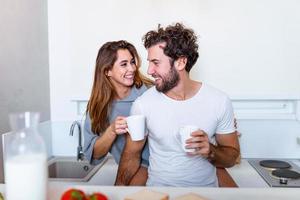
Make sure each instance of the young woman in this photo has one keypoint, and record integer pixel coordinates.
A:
(117, 83)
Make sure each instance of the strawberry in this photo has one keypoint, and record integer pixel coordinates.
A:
(73, 194)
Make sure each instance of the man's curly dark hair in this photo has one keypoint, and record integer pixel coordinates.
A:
(180, 42)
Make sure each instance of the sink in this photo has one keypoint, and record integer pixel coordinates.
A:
(69, 169)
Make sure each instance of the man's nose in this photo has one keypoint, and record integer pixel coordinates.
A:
(150, 70)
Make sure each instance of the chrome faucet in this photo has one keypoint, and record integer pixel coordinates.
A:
(79, 148)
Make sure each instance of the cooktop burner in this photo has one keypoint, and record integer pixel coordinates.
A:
(277, 164)
(285, 173)
(277, 173)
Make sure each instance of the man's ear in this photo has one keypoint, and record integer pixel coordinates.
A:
(180, 63)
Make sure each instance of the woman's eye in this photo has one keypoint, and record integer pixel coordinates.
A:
(132, 62)
(123, 64)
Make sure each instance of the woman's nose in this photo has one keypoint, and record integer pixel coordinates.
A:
(132, 67)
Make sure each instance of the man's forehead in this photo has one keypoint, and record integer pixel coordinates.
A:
(154, 54)
(156, 48)
(162, 45)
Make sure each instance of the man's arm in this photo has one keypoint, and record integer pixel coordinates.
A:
(227, 150)
(229, 145)
(224, 154)
(224, 178)
(130, 161)
(140, 177)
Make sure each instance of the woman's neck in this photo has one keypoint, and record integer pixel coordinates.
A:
(123, 92)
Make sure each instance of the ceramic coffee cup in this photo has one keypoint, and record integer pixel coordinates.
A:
(136, 127)
(184, 134)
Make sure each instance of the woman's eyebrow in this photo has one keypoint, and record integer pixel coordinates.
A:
(123, 61)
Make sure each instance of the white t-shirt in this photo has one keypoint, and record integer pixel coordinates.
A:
(209, 109)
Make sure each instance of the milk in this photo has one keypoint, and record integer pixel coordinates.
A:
(26, 177)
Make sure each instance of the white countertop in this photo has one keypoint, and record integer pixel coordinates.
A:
(55, 191)
(251, 186)
(245, 176)
(118, 193)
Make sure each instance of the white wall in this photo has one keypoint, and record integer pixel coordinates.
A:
(24, 69)
(248, 47)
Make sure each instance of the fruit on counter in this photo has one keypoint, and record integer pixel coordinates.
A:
(147, 195)
(73, 194)
(97, 196)
(76, 194)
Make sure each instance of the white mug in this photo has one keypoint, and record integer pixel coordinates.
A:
(184, 134)
(136, 127)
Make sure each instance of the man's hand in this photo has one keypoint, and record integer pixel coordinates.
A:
(200, 142)
(224, 154)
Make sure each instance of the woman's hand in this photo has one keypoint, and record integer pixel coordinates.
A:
(119, 126)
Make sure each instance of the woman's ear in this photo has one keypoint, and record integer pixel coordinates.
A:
(108, 73)
(180, 63)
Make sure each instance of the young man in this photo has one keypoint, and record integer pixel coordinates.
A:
(175, 101)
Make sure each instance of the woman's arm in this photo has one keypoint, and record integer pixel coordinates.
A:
(104, 143)
(95, 146)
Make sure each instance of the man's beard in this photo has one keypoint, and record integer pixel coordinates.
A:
(169, 81)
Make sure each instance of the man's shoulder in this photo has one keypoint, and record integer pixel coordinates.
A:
(215, 94)
(148, 95)
(211, 90)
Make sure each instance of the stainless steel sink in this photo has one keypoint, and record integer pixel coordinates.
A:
(69, 169)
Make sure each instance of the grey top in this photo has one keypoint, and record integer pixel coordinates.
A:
(119, 107)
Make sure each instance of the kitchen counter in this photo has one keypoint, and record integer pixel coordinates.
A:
(245, 176)
(118, 193)
(251, 186)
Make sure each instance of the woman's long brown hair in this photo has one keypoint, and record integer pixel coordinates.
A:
(103, 91)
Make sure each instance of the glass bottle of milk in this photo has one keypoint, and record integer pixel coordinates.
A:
(25, 159)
